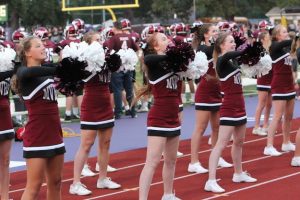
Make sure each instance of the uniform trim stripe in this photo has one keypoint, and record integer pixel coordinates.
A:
(233, 118)
(7, 131)
(161, 78)
(283, 95)
(209, 61)
(208, 104)
(264, 86)
(43, 147)
(43, 84)
(281, 57)
(97, 123)
(90, 77)
(163, 129)
(229, 75)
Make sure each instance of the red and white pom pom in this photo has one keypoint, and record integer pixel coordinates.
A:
(95, 56)
(7, 55)
(198, 67)
(129, 59)
(262, 68)
(75, 50)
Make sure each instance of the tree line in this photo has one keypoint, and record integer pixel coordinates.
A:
(36, 12)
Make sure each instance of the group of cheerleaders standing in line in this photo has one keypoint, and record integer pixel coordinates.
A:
(164, 62)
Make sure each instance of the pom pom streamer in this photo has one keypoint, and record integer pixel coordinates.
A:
(70, 74)
(75, 50)
(179, 56)
(113, 62)
(263, 67)
(7, 55)
(129, 59)
(198, 67)
(95, 57)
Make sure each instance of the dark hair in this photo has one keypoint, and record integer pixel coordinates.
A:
(25, 46)
(199, 35)
(217, 47)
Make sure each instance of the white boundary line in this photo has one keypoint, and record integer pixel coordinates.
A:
(253, 186)
(176, 178)
(141, 164)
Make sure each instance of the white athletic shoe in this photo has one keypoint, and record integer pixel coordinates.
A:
(213, 186)
(222, 163)
(109, 168)
(143, 109)
(197, 168)
(255, 131)
(169, 197)
(179, 154)
(295, 162)
(79, 189)
(86, 171)
(271, 151)
(243, 177)
(288, 147)
(263, 132)
(107, 183)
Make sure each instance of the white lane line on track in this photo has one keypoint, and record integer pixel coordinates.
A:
(141, 164)
(177, 178)
(253, 186)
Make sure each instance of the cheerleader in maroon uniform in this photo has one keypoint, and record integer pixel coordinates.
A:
(233, 117)
(282, 89)
(296, 159)
(6, 133)
(264, 93)
(43, 145)
(207, 100)
(96, 118)
(163, 122)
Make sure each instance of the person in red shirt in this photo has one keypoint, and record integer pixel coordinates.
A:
(122, 79)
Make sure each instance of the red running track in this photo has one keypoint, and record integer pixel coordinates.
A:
(277, 180)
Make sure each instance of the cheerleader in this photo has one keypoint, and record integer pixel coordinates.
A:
(208, 99)
(43, 145)
(163, 122)
(296, 159)
(6, 132)
(264, 93)
(96, 118)
(282, 89)
(233, 117)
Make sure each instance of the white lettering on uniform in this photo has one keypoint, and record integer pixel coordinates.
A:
(50, 93)
(237, 79)
(172, 82)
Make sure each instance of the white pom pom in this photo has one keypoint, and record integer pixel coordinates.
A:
(7, 55)
(265, 65)
(95, 56)
(198, 67)
(249, 71)
(75, 50)
(129, 59)
(262, 68)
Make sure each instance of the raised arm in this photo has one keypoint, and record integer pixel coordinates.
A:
(153, 60)
(277, 46)
(5, 75)
(30, 72)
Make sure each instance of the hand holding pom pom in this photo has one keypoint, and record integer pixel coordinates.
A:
(179, 56)
(71, 72)
(113, 61)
